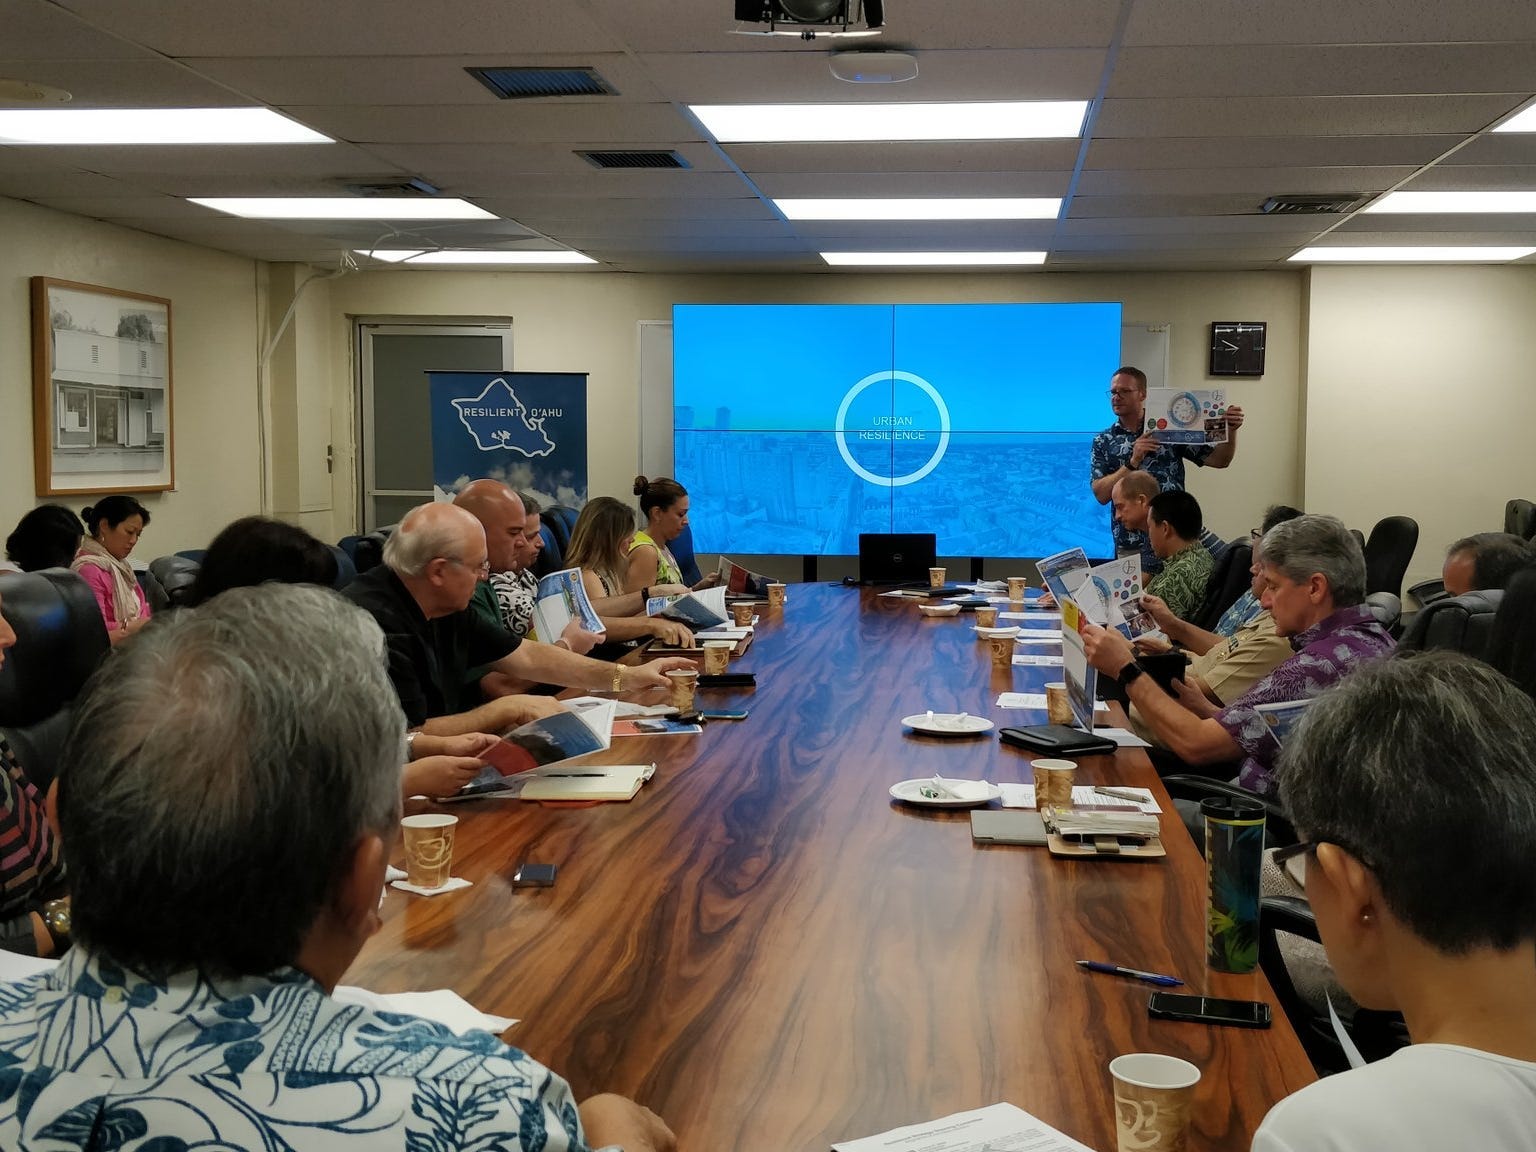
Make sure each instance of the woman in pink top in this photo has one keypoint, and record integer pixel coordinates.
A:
(114, 524)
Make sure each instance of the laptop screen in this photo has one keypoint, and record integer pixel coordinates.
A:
(895, 557)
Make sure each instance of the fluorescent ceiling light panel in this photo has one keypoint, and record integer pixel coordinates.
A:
(153, 126)
(1428, 203)
(991, 120)
(469, 256)
(344, 207)
(1411, 254)
(1523, 121)
(930, 259)
(954, 208)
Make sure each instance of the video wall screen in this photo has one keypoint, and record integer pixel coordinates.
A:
(797, 427)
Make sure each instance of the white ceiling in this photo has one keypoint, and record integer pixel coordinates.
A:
(1203, 108)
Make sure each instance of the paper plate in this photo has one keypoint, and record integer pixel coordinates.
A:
(947, 724)
(910, 792)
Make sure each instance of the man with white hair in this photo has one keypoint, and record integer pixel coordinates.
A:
(229, 794)
(420, 596)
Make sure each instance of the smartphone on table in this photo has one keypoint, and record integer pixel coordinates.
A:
(1209, 1010)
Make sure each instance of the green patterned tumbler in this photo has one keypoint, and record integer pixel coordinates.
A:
(1234, 851)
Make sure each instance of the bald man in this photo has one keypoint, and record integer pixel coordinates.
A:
(1131, 497)
(420, 596)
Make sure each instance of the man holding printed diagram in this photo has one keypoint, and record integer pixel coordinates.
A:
(1123, 448)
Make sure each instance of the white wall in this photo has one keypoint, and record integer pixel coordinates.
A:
(1419, 398)
(214, 322)
(587, 322)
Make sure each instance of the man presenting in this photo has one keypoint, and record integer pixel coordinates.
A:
(1122, 449)
(420, 596)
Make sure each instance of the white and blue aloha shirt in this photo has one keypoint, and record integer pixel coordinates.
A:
(95, 1057)
(1111, 451)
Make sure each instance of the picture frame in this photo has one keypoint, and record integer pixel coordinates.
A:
(102, 399)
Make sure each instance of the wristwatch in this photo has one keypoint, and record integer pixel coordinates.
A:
(56, 918)
(1130, 673)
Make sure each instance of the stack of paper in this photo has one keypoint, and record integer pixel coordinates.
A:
(994, 1128)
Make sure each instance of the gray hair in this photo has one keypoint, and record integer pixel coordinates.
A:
(409, 550)
(218, 774)
(1423, 766)
(1318, 545)
(1496, 556)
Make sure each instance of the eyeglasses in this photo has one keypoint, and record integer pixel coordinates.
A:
(1124, 391)
(1293, 858)
(484, 567)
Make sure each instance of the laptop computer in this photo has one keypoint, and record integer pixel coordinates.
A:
(896, 557)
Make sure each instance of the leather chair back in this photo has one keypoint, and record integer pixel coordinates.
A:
(551, 555)
(561, 522)
(1520, 518)
(682, 551)
(1229, 579)
(60, 641)
(155, 594)
(1460, 623)
(346, 570)
(369, 551)
(1388, 552)
(176, 575)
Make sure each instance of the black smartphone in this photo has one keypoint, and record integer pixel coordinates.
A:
(1208, 1010)
(534, 876)
(729, 680)
(715, 715)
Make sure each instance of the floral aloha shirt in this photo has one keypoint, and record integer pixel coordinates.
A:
(95, 1057)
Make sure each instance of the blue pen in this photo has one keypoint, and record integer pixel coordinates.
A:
(1133, 973)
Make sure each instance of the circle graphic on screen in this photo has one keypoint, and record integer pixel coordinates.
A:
(842, 441)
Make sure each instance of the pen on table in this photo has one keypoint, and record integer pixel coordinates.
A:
(1122, 794)
(1133, 973)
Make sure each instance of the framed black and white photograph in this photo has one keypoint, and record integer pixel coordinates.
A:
(101, 389)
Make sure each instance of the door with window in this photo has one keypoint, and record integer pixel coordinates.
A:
(394, 357)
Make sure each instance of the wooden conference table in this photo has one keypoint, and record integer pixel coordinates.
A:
(774, 955)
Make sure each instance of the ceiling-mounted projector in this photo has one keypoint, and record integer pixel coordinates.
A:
(807, 18)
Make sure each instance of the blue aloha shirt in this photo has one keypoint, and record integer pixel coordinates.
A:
(93, 1056)
(1244, 611)
(1112, 451)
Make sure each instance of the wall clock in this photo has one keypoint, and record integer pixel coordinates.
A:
(1237, 348)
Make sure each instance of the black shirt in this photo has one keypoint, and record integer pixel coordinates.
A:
(428, 659)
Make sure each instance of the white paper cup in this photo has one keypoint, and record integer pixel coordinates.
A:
(1153, 1095)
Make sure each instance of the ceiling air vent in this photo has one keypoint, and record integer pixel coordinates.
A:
(1313, 205)
(634, 159)
(526, 83)
(390, 186)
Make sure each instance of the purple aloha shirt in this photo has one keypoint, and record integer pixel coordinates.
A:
(1111, 451)
(1325, 653)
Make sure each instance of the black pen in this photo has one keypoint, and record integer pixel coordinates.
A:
(1133, 973)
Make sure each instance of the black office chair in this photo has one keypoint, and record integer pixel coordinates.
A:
(155, 594)
(1520, 518)
(551, 555)
(1375, 1033)
(60, 640)
(346, 567)
(176, 575)
(368, 553)
(682, 552)
(1388, 552)
(1426, 592)
(1387, 609)
(1460, 623)
(1278, 831)
(1229, 579)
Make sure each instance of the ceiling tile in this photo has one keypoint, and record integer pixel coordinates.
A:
(383, 81)
(42, 30)
(124, 83)
(969, 156)
(506, 121)
(1181, 22)
(1301, 115)
(1268, 152)
(1335, 70)
(347, 27)
(1232, 204)
(530, 208)
(853, 184)
(1257, 182)
(224, 160)
(1452, 177)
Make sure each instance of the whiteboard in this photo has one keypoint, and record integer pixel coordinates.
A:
(1142, 345)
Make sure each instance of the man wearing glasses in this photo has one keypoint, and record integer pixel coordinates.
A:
(420, 596)
(1122, 449)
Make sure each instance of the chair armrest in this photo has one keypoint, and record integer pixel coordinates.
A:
(1277, 826)
(1428, 591)
(1291, 914)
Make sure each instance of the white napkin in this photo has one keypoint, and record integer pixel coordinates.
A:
(393, 873)
(1029, 658)
(441, 1006)
(963, 789)
(452, 885)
